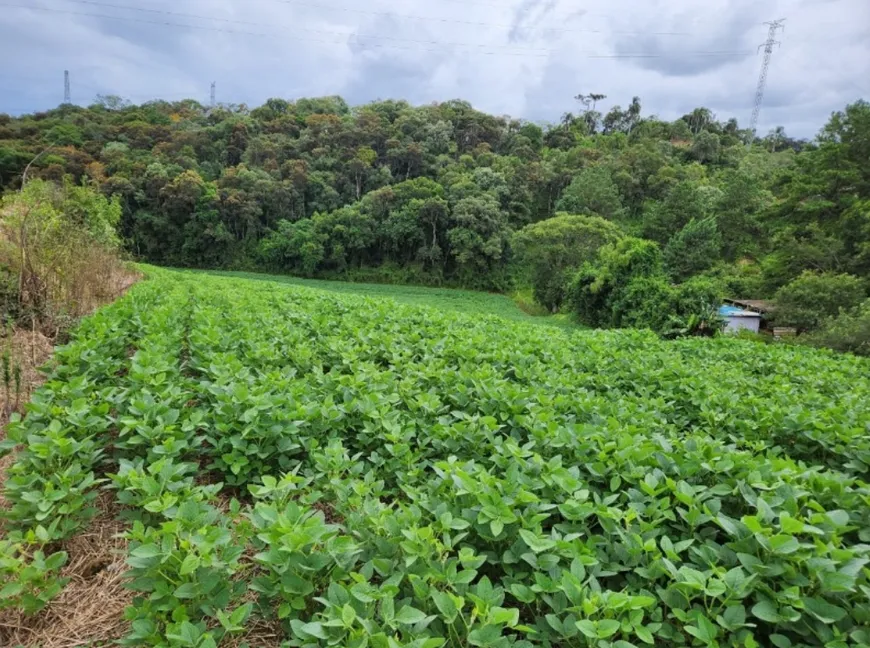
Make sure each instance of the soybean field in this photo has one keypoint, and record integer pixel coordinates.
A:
(351, 471)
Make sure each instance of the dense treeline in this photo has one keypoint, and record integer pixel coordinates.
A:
(647, 211)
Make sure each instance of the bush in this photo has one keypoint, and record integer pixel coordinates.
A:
(592, 191)
(695, 296)
(626, 287)
(741, 279)
(643, 303)
(693, 249)
(59, 243)
(548, 251)
(849, 331)
(812, 297)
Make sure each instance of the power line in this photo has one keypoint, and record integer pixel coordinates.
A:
(314, 31)
(303, 3)
(390, 14)
(354, 36)
(774, 26)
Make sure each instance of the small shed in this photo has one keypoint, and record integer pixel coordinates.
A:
(737, 319)
(758, 305)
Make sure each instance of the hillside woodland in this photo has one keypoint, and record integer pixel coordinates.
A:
(623, 219)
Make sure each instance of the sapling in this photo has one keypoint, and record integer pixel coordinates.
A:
(7, 380)
(16, 377)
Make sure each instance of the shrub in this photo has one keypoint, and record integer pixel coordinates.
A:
(693, 249)
(547, 251)
(592, 191)
(643, 303)
(741, 279)
(812, 297)
(849, 331)
(695, 296)
(59, 243)
(609, 292)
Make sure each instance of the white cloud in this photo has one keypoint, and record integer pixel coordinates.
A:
(527, 58)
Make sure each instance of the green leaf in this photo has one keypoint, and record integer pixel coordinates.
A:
(186, 590)
(643, 634)
(11, 589)
(587, 627)
(824, 611)
(784, 544)
(705, 630)
(240, 614)
(56, 560)
(506, 616)
(608, 628)
(484, 636)
(780, 641)
(522, 593)
(766, 611)
(189, 564)
(314, 629)
(348, 615)
(733, 617)
(410, 615)
(638, 602)
(838, 517)
(535, 542)
(446, 606)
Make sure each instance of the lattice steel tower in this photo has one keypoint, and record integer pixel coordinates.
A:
(773, 27)
(212, 93)
(66, 98)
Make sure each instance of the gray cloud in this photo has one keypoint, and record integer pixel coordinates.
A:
(528, 15)
(527, 58)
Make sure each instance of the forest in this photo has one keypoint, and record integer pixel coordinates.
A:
(621, 218)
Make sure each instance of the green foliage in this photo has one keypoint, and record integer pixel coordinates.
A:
(848, 331)
(366, 472)
(28, 578)
(58, 251)
(626, 278)
(693, 249)
(592, 192)
(812, 297)
(627, 287)
(549, 250)
(434, 194)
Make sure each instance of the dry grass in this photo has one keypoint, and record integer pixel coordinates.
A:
(259, 633)
(90, 609)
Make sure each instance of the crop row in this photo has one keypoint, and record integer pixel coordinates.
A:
(372, 474)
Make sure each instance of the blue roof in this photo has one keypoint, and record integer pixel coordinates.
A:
(733, 311)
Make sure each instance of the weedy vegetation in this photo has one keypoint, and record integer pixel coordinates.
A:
(360, 472)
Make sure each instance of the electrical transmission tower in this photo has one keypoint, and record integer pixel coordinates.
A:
(66, 98)
(212, 93)
(773, 27)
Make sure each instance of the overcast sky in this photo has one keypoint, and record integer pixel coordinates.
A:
(526, 58)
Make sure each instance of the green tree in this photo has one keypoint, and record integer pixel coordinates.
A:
(706, 148)
(606, 292)
(849, 331)
(684, 203)
(548, 251)
(814, 296)
(592, 191)
(297, 247)
(478, 239)
(693, 249)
